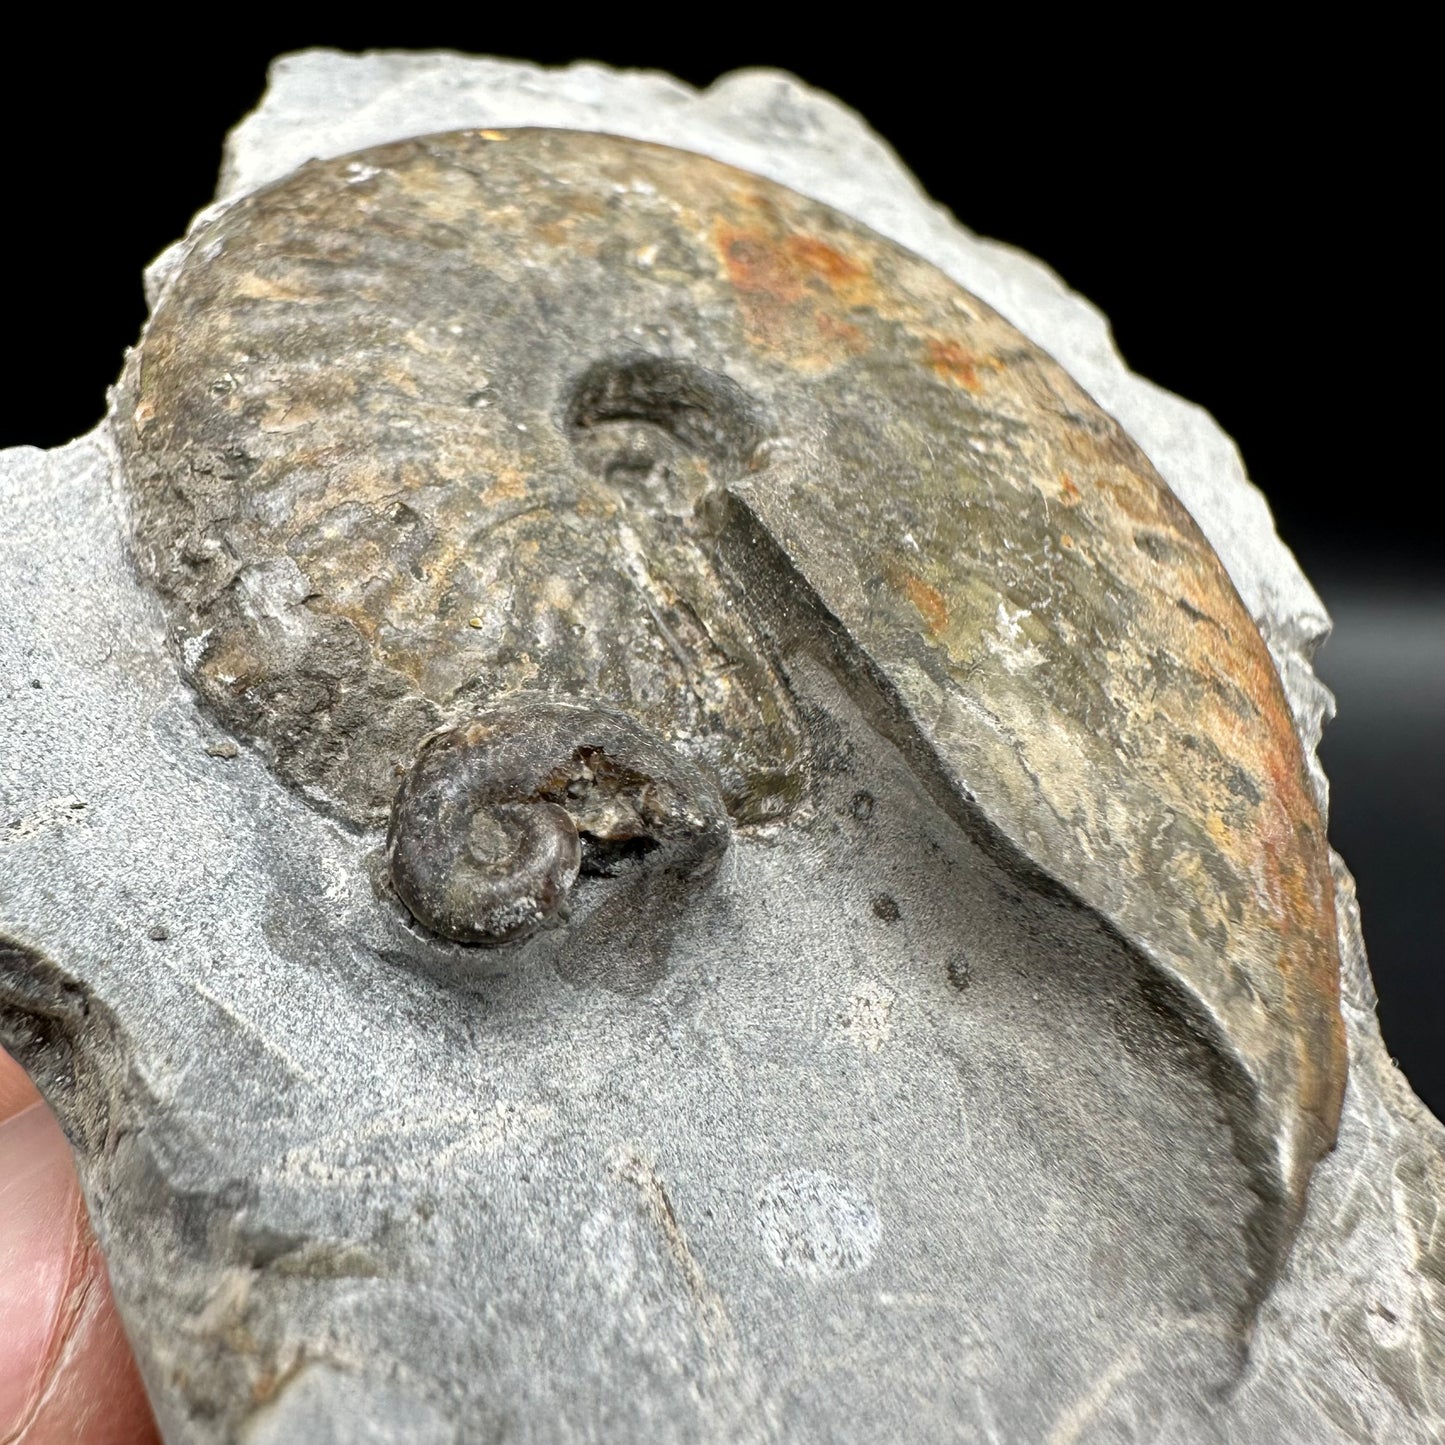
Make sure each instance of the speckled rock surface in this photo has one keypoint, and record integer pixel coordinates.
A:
(901, 1132)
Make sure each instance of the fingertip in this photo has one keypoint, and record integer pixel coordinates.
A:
(95, 1395)
(67, 1376)
(38, 1200)
(16, 1090)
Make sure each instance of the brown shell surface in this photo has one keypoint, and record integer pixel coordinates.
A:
(533, 409)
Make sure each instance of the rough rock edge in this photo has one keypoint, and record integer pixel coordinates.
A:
(1348, 1295)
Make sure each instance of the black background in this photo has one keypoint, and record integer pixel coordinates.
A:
(1249, 212)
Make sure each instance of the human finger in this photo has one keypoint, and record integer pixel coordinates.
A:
(67, 1375)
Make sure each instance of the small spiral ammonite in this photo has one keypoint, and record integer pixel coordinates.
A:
(496, 817)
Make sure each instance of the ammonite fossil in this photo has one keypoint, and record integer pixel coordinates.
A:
(495, 415)
(496, 818)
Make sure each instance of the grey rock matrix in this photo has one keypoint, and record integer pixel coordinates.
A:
(894, 1145)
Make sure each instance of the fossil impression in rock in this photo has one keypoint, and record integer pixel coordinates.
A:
(782, 897)
(478, 415)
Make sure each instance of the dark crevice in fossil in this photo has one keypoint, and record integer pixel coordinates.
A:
(707, 413)
(607, 857)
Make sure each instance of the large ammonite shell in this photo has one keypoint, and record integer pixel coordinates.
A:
(500, 411)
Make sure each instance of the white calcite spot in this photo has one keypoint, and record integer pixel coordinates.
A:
(814, 1225)
(868, 1019)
